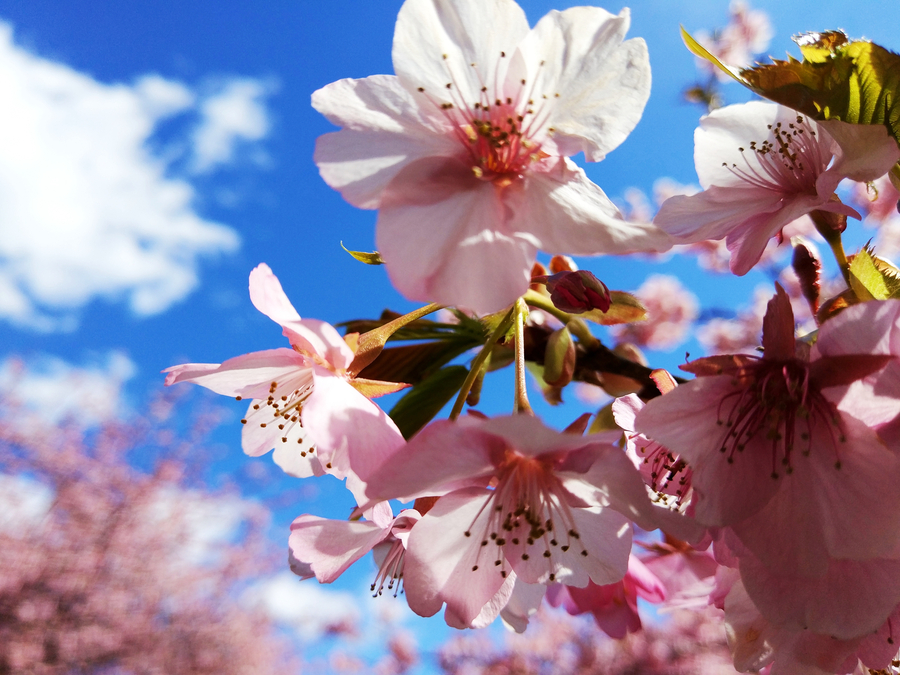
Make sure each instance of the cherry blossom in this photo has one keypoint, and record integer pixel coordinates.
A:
(515, 497)
(613, 606)
(303, 403)
(329, 547)
(671, 311)
(798, 481)
(762, 166)
(465, 150)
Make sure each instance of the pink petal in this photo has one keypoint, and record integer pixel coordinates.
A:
(523, 604)
(319, 338)
(602, 82)
(331, 546)
(444, 236)
(268, 296)
(350, 432)
(599, 553)
(384, 131)
(567, 213)
(715, 212)
(248, 376)
(685, 421)
(443, 457)
(820, 510)
(867, 151)
(440, 559)
(437, 42)
(849, 599)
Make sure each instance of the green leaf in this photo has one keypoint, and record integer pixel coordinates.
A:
(421, 403)
(702, 52)
(856, 82)
(868, 281)
(413, 363)
(373, 258)
(623, 308)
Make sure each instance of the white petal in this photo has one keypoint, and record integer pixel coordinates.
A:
(598, 85)
(721, 135)
(384, 131)
(436, 43)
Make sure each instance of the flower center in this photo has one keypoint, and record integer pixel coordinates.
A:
(670, 476)
(283, 408)
(789, 161)
(776, 404)
(390, 571)
(500, 129)
(528, 517)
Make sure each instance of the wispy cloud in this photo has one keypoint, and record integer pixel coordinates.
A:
(87, 208)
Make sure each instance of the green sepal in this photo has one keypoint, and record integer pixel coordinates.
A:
(425, 400)
(373, 258)
(623, 308)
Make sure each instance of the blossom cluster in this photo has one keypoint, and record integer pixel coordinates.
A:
(758, 491)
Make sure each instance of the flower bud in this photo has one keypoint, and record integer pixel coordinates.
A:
(559, 358)
(577, 292)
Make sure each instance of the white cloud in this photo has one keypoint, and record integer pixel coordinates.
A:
(59, 390)
(303, 605)
(87, 209)
(235, 114)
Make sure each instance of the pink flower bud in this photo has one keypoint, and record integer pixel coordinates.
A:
(577, 292)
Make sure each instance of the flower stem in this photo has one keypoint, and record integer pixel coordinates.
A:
(481, 360)
(833, 237)
(521, 401)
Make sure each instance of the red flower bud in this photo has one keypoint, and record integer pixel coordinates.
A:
(577, 292)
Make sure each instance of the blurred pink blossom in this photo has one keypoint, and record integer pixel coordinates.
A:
(671, 311)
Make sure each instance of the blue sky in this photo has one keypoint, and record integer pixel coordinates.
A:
(155, 152)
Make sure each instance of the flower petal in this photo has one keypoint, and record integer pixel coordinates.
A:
(443, 565)
(848, 600)
(867, 151)
(249, 376)
(351, 433)
(598, 85)
(331, 546)
(268, 296)
(567, 213)
(459, 43)
(444, 236)
(686, 421)
(441, 458)
(384, 131)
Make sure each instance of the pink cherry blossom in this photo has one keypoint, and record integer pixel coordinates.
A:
(302, 403)
(614, 606)
(671, 311)
(787, 650)
(762, 166)
(329, 547)
(798, 481)
(515, 498)
(667, 475)
(465, 150)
